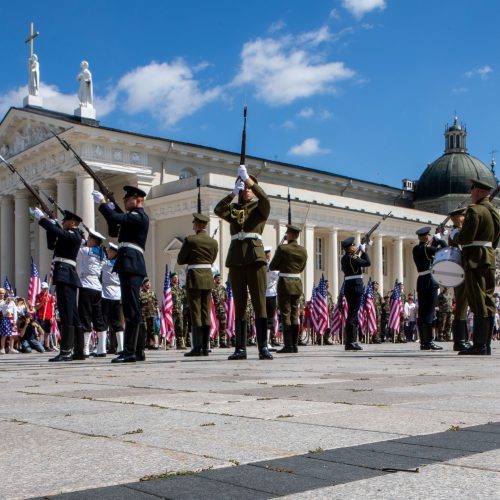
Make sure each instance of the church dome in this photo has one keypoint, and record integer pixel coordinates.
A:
(451, 173)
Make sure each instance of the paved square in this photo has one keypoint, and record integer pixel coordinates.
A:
(388, 422)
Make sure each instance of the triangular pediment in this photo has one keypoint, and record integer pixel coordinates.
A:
(174, 246)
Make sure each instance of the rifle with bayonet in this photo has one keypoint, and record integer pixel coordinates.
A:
(289, 215)
(112, 228)
(31, 189)
(366, 237)
(243, 157)
(61, 210)
(198, 185)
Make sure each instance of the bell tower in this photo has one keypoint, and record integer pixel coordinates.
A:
(455, 138)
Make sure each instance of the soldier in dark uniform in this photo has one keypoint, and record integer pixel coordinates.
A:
(199, 252)
(459, 325)
(378, 302)
(352, 262)
(65, 242)
(129, 265)
(290, 260)
(479, 238)
(427, 288)
(245, 259)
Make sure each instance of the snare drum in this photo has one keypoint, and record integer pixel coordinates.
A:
(447, 267)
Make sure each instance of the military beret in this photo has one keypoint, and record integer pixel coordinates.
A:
(113, 246)
(133, 191)
(374, 282)
(293, 228)
(145, 280)
(423, 231)
(96, 235)
(71, 216)
(348, 242)
(172, 274)
(478, 183)
(201, 218)
(457, 211)
(217, 275)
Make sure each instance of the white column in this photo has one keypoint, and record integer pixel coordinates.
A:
(66, 192)
(6, 240)
(280, 232)
(224, 242)
(398, 259)
(44, 254)
(22, 242)
(308, 243)
(333, 252)
(84, 200)
(378, 264)
(358, 238)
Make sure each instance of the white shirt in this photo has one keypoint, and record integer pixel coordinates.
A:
(91, 260)
(410, 311)
(272, 282)
(110, 281)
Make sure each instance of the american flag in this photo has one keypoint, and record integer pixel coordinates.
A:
(167, 304)
(276, 325)
(229, 311)
(396, 307)
(320, 307)
(7, 285)
(340, 312)
(371, 314)
(54, 330)
(214, 322)
(362, 314)
(34, 287)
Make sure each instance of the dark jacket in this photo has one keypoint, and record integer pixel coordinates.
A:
(352, 265)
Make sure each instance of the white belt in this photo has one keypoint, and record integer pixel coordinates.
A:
(244, 236)
(65, 261)
(487, 244)
(423, 273)
(355, 277)
(125, 244)
(88, 275)
(289, 275)
(200, 266)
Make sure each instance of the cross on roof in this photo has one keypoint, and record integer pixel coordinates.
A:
(33, 35)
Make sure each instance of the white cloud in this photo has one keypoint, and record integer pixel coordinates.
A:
(308, 147)
(283, 70)
(359, 8)
(306, 113)
(459, 90)
(288, 124)
(334, 14)
(483, 72)
(167, 91)
(276, 26)
(325, 114)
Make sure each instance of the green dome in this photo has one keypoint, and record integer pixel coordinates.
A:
(451, 174)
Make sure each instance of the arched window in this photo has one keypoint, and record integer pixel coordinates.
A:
(187, 172)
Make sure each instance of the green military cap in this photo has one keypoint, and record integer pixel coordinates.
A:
(217, 275)
(201, 218)
(172, 274)
(458, 211)
(293, 228)
(478, 183)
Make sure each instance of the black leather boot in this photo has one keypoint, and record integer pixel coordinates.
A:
(78, 353)
(140, 354)
(261, 327)
(205, 339)
(66, 346)
(480, 336)
(295, 337)
(287, 340)
(459, 329)
(240, 340)
(131, 335)
(426, 339)
(197, 349)
(351, 339)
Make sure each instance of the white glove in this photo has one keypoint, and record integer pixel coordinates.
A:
(454, 233)
(38, 214)
(362, 247)
(98, 197)
(238, 186)
(111, 205)
(437, 236)
(369, 243)
(242, 172)
(444, 233)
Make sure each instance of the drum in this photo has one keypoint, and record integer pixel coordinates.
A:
(447, 267)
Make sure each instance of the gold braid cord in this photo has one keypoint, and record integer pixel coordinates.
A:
(239, 215)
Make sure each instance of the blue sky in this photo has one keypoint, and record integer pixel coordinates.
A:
(361, 88)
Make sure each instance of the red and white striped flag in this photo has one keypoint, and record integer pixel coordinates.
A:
(371, 314)
(166, 321)
(319, 304)
(214, 322)
(396, 307)
(54, 330)
(229, 311)
(34, 285)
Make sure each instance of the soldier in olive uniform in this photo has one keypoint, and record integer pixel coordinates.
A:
(149, 307)
(245, 259)
(459, 325)
(352, 264)
(384, 316)
(290, 260)
(479, 238)
(219, 296)
(199, 252)
(445, 315)
(378, 302)
(427, 288)
(177, 316)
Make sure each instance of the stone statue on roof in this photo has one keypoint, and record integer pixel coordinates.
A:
(85, 92)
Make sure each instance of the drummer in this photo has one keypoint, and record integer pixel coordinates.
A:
(427, 288)
(459, 325)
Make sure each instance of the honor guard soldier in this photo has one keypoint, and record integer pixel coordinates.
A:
(91, 259)
(271, 297)
(245, 259)
(149, 309)
(352, 263)
(129, 265)
(199, 252)
(66, 242)
(479, 238)
(111, 300)
(290, 260)
(178, 294)
(427, 288)
(219, 296)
